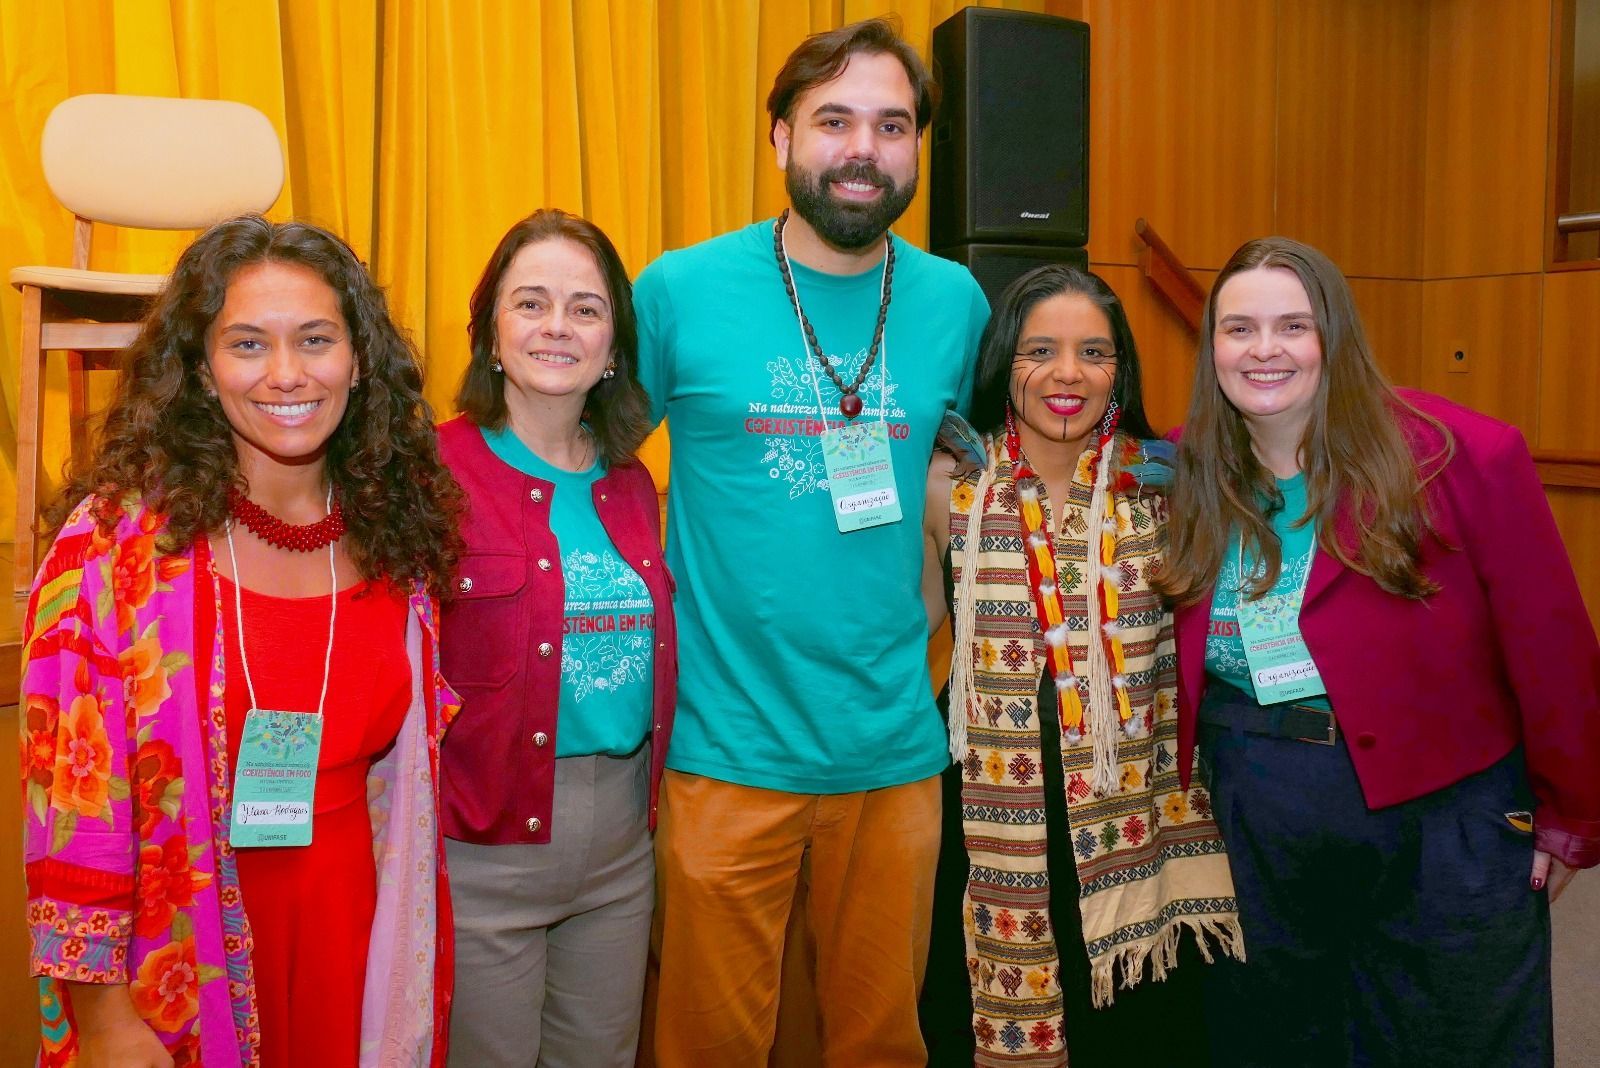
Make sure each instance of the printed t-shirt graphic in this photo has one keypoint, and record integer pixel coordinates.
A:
(790, 430)
(609, 619)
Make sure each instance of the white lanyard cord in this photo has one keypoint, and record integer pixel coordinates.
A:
(805, 345)
(238, 614)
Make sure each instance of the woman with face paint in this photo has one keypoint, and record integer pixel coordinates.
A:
(1073, 858)
(1395, 689)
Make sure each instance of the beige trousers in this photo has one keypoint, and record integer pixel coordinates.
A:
(551, 940)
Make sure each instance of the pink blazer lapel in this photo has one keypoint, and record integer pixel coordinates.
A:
(1324, 569)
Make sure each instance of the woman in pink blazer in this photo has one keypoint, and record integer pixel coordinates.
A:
(1392, 681)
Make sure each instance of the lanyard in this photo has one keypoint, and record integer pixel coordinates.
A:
(1305, 579)
(1282, 668)
(883, 345)
(238, 614)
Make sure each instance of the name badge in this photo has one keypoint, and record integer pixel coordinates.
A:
(276, 781)
(1281, 667)
(860, 476)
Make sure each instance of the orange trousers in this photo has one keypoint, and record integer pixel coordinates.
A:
(728, 862)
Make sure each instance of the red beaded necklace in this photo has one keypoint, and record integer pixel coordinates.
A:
(274, 531)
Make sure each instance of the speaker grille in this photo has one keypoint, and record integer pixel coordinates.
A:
(1010, 147)
(1028, 126)
(997, 266)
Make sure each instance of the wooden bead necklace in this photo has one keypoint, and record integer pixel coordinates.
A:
(849, 400)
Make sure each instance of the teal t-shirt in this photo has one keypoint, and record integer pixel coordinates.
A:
(607, 670)
(802, 651)
(1224, 645)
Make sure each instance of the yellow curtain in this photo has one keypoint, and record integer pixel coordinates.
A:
(420, 131)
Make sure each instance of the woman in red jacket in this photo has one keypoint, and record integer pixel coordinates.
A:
(1395, 685)
(559, 637)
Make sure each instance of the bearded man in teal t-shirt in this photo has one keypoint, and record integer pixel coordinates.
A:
(804, 364)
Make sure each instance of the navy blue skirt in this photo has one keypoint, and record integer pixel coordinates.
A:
(1405, 935)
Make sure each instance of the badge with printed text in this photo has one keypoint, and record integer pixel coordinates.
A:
(860, 476)
(275, 783)
(1281, 668)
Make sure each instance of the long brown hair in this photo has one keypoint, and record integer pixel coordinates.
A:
(166, 438)
(1361, 471)
(617, 409)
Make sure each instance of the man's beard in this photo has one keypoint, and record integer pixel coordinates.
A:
(846, 225)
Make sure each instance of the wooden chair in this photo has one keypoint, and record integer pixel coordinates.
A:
(155, 163)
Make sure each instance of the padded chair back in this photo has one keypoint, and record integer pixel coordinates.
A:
(160, 163)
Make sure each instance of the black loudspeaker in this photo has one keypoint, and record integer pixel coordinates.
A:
(1010, 156)
(997, 266)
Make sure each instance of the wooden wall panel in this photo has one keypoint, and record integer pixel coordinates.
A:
(1391, 313)
(1180, 125)
(1583, 158)
(1577, 513)
(1495, 322)
(1488, 89)
(1569, 362)
(1352, 86)
(1166, 344)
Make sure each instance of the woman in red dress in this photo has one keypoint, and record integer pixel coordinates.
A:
(249, 575)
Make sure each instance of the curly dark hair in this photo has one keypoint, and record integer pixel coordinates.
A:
(166, 438)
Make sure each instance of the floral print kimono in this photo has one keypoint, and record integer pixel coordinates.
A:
(127, 799)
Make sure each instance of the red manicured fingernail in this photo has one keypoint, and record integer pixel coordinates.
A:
(1537, 884)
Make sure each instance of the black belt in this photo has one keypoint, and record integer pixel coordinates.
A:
(1228, 706)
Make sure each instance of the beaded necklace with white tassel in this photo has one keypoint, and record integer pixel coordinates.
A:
(1039, 549)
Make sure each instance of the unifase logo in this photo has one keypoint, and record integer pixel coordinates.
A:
(1034, 215)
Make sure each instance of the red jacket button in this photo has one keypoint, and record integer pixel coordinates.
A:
(1366, 739)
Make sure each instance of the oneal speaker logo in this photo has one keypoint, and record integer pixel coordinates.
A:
(1034, 215)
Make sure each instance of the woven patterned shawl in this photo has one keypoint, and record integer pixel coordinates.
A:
(1149, 858)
